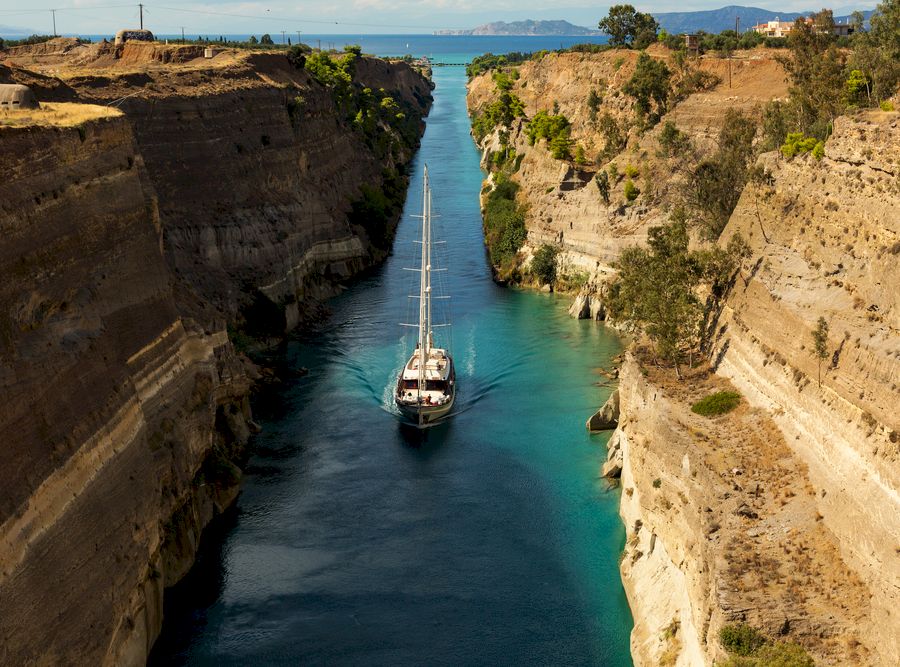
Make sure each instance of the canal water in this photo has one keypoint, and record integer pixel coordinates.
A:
(492, 539)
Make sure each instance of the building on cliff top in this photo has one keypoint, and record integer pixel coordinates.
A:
(133, 35)
(778, 28)
(16, 96)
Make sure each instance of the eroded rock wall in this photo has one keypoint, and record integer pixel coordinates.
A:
(826, 241)
(127, 246)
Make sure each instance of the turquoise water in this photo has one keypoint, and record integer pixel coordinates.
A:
(491, 539)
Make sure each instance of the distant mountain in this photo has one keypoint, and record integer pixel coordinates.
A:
(717, 20)
(10, 32)
(529, 27)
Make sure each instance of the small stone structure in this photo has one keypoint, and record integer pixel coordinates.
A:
(133, 36)
(16, 96)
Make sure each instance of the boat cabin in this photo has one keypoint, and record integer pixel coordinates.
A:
(438, 387)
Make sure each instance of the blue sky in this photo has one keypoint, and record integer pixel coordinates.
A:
(347, 16)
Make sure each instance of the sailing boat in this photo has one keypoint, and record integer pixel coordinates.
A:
(426, 387)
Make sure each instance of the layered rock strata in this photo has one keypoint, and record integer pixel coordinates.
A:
(129, 242)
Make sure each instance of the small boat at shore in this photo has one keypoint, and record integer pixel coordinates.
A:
(426, 386)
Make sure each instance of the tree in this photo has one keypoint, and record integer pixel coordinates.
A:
(820, 344)
(715, 184)
(253, 40)
(876, 52)
(655, 291)
(266, 39)
(616, 139)
(649, 86)
(816, 70)
(625, 26)
(543, 264)
(602, 181)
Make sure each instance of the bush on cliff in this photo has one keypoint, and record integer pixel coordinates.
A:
(713, 405)
(543, 264)
(555, 129)
(650, 87)
(499, 113)
(747, 647)
(504, 223)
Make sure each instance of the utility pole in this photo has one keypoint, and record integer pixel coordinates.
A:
(320, 44)
(282, 37)
(182, 34)
(53, 11)
(141, 7)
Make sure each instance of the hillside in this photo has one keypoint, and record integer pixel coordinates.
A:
(143, 249)
(528, 27)
(717, 20)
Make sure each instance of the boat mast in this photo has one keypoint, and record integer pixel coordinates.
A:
(423, 286)
(429, 332)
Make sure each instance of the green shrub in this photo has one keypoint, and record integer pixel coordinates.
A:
(818, 150)
(631, 171)
(504, 221)
(887, 105)
(739, 638)
(796, 144)
(543, 264)
(631, 190)
(579, 155)
(717, 404)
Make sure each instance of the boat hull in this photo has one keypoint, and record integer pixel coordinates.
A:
(423, 416)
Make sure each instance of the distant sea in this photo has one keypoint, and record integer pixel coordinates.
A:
(436, 47)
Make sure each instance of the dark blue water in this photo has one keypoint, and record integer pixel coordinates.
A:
(492, 540)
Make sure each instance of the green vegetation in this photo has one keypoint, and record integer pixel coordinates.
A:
(747, 647)
(489, 61)
(797, 144)
(673, 141)
(714, 185)
(739, 638)
(717, 404)
(580, 158)
(555, 129)
(504, 225)
(616, 137)
(34, 39)
(656, 289)
(501, 112)
(650, 87)
(594, 101)
(602, 181)
(886, 105)
(627, 27)
(631, 191)
(820, 344)
(543, 264)
(376, 208)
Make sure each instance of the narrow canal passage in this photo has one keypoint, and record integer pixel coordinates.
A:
(493, 541)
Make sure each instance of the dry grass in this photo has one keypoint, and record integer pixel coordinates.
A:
(56, 114)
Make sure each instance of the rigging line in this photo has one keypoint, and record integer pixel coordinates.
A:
(293, 20)
(5, 12)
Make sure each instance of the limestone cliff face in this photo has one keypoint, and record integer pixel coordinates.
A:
(564, 206)
(128, 243)
(110, 401)
(724, 526)
(826, 242)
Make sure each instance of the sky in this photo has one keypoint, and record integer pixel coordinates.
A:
(97, 17)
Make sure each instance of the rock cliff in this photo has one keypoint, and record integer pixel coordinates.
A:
(784, 514)
(218, 196)
(563, 203)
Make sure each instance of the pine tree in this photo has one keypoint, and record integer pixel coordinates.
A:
(820, 344)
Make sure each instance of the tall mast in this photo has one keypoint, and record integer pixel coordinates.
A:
(424, 282)
(428, 325)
